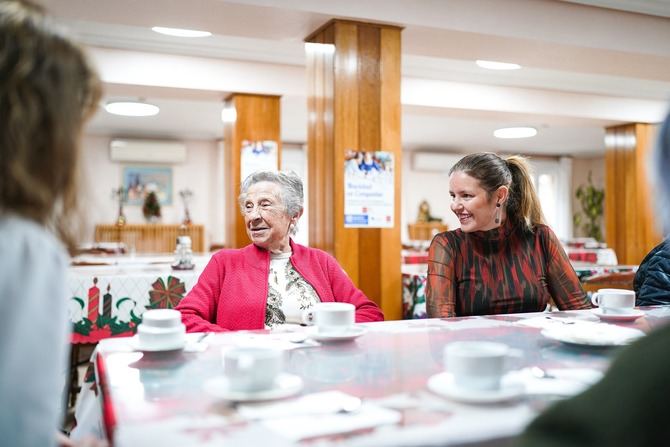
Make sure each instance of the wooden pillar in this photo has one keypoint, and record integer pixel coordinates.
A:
(354, 104)
(249, 118)
(629, 220)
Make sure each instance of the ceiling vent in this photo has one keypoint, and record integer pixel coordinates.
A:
(147, 151)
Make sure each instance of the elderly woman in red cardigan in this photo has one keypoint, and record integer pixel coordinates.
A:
(270, 282)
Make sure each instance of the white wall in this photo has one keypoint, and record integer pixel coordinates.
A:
(424, 185)
(198, 173)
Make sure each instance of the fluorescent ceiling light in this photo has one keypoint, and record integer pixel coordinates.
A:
(131, 108)
(179, 32)
(492, 65)
(515, 132)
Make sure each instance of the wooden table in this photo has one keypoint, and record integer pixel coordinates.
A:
(151, 238)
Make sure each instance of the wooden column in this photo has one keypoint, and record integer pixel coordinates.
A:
(629, 220)
(256, 118)
(354, 103)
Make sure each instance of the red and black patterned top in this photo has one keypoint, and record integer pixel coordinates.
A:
(504, 270)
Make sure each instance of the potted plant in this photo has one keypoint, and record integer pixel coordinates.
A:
(591, 201)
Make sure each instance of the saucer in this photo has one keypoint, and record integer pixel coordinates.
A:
(285, 385)
(138, 346)
(326, 337)
(633, 315)
(443, 384)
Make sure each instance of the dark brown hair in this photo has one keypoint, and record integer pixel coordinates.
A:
(492, 172)
(47, 91)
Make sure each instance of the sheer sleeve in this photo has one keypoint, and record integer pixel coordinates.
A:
(562, 281)
(441, 284)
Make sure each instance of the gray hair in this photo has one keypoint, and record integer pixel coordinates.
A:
(660, 166)
(290, 185)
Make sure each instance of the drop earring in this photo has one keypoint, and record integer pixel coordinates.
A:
(497, 219)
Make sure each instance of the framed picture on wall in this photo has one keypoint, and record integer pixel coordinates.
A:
(139, 180)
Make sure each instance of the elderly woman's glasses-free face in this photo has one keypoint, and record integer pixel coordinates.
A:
(266, 207)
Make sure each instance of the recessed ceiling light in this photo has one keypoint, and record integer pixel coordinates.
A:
(179, 32)
(515, 132)
(131, 108)
(493, 65)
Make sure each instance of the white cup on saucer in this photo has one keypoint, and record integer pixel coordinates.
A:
(252, 369)
(161, 330)
(478, 365)
(331, 318)
(614, 301)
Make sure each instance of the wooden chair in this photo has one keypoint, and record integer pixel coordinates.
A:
(425, 231)
(618, 280)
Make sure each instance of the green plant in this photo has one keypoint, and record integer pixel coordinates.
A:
(151, 208)
(591, 201)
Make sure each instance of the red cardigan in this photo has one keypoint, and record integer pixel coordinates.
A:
(231, 293)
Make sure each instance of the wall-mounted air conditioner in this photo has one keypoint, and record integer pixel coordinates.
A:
(434, 161)
(148, 151)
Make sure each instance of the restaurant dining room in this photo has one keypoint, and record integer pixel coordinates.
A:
(334, 223)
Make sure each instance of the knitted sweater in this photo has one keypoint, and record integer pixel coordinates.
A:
(504, 270)
(231, 293)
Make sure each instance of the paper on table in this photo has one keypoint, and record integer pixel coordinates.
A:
(280, 340)
(548, 321)
(564, 381)
(310, 404)
(311, 426)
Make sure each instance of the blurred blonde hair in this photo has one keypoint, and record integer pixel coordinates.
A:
(48, 89)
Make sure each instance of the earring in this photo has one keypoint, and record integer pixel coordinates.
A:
(497, 219)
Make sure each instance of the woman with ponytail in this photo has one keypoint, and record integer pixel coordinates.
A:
(503, 258)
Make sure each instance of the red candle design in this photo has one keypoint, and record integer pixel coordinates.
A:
(107, 303)
(93, 301)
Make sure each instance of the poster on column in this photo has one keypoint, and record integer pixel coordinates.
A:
(368, 189)
(258, 156)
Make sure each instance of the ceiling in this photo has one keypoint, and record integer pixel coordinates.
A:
(587, 65)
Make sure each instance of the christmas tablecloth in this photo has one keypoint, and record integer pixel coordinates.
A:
(108, 301)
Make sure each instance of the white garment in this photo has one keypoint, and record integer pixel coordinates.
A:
(291, 298)
(34, 332)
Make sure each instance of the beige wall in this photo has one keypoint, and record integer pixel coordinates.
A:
(197, 173)
(580, 174)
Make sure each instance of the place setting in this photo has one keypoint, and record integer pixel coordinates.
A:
(478, 372)
(332, 323)
(482, 373)
(616, 305)
(253, 374)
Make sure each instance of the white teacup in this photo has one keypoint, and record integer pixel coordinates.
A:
(478, 365)
(161, 329)
(331, 318)
(614, 301)
(250, 369)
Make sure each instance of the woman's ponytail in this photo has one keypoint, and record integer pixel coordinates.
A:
(523, 204)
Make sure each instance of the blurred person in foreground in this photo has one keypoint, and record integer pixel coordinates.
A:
(503, 258)
(629, 406)
(652, 279)
(270, 282)
(47, 91)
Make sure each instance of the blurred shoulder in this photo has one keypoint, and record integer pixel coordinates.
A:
(23, 238)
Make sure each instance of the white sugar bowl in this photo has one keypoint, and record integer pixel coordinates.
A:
(161, 330)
